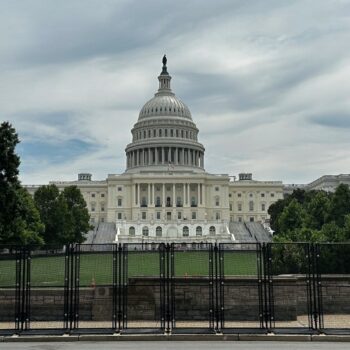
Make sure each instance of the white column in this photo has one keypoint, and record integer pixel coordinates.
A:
(139, 195)
(174, 194)
(183, 157)
(162, 155)
(156, 155)
(149, 157)
(169, 155)
(176, 156)
(183, 194)
(188, 195)
(163, 203)
(148, 195)
(199, 194)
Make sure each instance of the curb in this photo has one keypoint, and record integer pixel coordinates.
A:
(178, 337)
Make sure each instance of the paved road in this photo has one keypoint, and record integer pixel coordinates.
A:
(179, 345)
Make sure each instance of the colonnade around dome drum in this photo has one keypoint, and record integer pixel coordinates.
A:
(165, 195)
(165, 156)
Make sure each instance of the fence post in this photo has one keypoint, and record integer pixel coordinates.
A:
(216, 283)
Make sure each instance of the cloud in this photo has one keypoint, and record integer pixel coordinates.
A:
(267, 82)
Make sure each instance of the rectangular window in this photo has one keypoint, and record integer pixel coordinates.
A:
(194, 215)
(251, 219)
(102, 208)
(120, 202)
(119, 216)
(216, 188)
(158, 215)
(92, 208)
(217, 216)
(102, 195)
(92, 220)
(143, 215)
(239, 206)
(263, 207)
(230, 206)
(263, 195)
(239, 219)
(217, 202)
(102, 219)
(179, 215)
(119, 189)
(239, 194)
(93, 195)
(272, 195)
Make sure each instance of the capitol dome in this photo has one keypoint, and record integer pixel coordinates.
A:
(165, 135)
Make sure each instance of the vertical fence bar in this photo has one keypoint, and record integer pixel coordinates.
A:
(259, 262)
(162, 284)
(27, 288)
(76, 279)
(217, 286)
(318, 294)
(18, 288)
(168, 288)
(312, 288)
(125, 286)
(211, 287)
(222, 286)
(172, 282)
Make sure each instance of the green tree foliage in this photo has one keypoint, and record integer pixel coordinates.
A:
(65, 214)
(19, 219)
(315, 216)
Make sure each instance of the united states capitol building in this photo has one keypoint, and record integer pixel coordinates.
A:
(165, 194)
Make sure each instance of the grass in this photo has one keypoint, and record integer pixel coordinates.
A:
(98, 267)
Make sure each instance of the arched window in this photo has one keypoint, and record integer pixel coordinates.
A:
(212, 230)
(159, 231)
(144, 231)
(185, 231)
(131, 231)
(198, 230)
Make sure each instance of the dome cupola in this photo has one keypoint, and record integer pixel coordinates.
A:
(165, 136)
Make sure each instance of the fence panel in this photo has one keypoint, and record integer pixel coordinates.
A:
(94, 280)
(46, 290)
(10, 289)
(143, 284)
(192, 288)
(240, 286)
(333, 273)
(290, 287)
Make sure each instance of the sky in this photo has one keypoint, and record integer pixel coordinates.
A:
(267, 82)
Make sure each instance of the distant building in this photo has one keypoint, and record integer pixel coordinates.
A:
(329, 183)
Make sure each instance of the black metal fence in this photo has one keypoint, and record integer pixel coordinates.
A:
(177, 288)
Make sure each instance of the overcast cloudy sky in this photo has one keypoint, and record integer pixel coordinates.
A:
(267, 82)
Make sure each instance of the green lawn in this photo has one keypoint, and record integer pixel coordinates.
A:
(98, 267)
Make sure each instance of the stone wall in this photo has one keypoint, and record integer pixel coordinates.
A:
(191, 297)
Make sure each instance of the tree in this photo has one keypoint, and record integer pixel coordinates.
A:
(317, 210)
(340, 205)
(19, 219)
(53, 212)
(78, 215)
(64, 214)
(292, 217)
